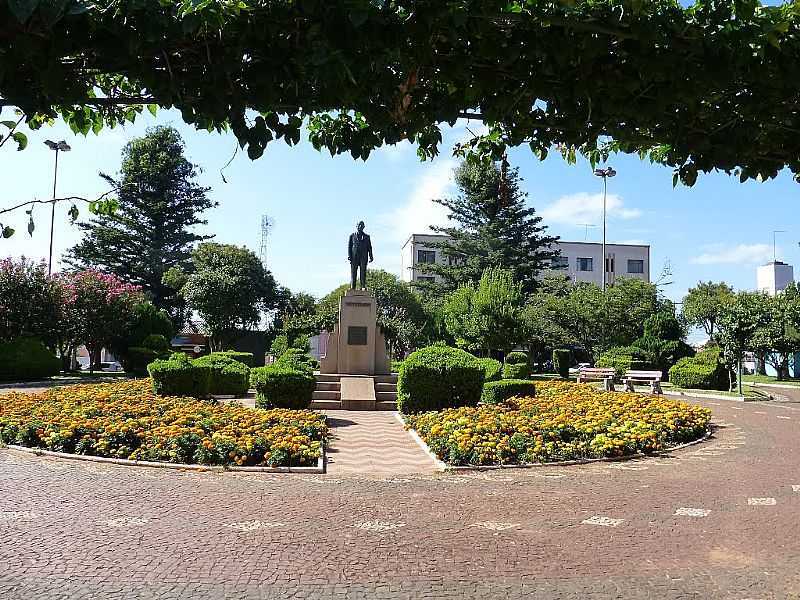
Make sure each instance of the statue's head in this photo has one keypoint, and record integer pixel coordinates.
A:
(360, 226)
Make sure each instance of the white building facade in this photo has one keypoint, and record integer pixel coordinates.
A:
(773, 277)
(580, 261)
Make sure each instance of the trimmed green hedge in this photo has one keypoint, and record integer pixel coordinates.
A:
(516, 371)
(282, 386)
(497, 392)
(561, 362)
(621, 359)
(298, 359)
(179, 376)
(246, 358)
(517, 358)
(492, 369)
(439, 377)
(228, 375)
(137, 358)
(703, 372)
(27, 358)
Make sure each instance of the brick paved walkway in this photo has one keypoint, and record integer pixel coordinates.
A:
(715, 521)
(373, 443)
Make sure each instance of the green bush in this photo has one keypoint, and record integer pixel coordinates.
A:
(439, 377)
(179, 376)
(228, 375)
(396, 365)
(298, 359)
(621, 359)
(246, 358)
(492, 369)
(156, 342)
(136, 360)
(561, 362)
(516, 371)
(282, 386)
(517, 358)
(279, 345)
(26, 358)
(497, 392)
(703, 372)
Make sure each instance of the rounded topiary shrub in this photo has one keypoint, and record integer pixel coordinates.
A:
(621, 359)
(179, 376)
(26, 358)
(245, 358)
(439, 377)
(298, 359)
(516, 371)
(561, 362)
(497, 392)
(492, 369)
(704, 372)
(228, 376)
(137, 358)
(516, 358)
(283, 386)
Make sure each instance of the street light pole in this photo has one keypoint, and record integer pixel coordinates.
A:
(605, 174)
(61, 146)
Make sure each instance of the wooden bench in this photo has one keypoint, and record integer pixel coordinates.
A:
(606, 375)
(653, 378)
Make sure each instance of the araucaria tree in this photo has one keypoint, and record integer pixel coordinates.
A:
(152, 229)
(493, 228)
(229, 288)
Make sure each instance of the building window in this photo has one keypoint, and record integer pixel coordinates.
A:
(426, 256)
(635, 266)
(609, 264)
(559, 262)
(426, 278)
(585, 264)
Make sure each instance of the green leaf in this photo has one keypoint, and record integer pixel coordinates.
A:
(31, 226)
(9, 124)
(73, 213)
(22, 9)
(7, 232)
(153, 108)
(21, 139)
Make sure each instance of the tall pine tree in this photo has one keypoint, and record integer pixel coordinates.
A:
(152, 230)
(493, 228)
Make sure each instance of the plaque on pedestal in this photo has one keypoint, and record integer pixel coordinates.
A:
(357, 346)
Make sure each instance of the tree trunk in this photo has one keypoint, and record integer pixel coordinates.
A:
(761, 364)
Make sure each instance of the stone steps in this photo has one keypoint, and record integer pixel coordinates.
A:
(327, 395)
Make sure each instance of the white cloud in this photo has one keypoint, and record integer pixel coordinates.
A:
(575, 209)
(740, 254)
(418, 213)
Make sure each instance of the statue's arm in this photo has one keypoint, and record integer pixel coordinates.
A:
(350, 248)
(369, 247)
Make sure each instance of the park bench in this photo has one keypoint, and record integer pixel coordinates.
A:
(653, 378)
(606, 375)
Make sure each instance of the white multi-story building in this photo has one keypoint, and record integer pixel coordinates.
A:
(773, 277)
(580, 261)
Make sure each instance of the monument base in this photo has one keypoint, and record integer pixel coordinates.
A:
(357, 346)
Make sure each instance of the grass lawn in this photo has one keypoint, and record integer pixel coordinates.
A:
(770, 379)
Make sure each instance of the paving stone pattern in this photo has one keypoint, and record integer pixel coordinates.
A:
(71, 530)
(373, 442)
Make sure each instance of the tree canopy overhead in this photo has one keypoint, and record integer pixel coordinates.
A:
(714, 85)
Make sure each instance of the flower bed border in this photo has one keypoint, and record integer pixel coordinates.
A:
(319, 468)
(443, 466)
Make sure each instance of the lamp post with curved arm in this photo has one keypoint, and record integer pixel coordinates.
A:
(605, 174)
(61, 146)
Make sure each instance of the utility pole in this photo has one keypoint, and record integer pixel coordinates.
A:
(266, 224)
(61, 146)
(605, 174)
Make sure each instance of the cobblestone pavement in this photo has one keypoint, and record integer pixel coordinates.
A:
(716, 520)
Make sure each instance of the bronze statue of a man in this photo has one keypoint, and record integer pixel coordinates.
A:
(359, 249)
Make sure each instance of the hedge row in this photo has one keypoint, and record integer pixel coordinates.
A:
(704, 371)
(497, 392)
(26, 358)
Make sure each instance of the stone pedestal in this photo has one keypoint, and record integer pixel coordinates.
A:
(357, 345)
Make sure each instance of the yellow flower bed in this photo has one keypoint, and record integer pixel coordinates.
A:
(127, 420)
(565, 421)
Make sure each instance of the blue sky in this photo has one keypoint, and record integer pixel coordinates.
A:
(719, 229)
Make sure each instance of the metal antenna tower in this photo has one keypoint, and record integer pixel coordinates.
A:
(266, 224)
